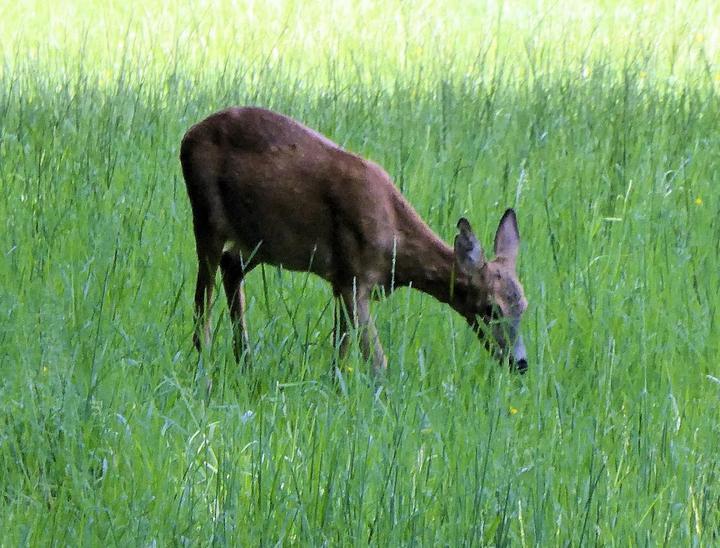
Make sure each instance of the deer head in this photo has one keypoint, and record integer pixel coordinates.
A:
(489, 294)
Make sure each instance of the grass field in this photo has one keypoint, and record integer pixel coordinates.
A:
(597, 121)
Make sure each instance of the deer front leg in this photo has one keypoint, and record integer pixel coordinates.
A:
(357, 301)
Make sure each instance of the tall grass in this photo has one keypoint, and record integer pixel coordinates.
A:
(604, 140)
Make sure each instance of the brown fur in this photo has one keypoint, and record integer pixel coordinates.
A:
(266, 189)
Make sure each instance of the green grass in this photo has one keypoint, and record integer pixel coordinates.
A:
(598, 123)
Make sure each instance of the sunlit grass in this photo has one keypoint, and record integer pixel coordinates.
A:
(597, 121)
(370, 40)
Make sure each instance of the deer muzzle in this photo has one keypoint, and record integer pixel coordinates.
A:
(518, 358)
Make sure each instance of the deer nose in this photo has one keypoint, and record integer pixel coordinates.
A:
(520, 366)
(519, 356)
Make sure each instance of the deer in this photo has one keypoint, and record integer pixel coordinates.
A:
(266, 189)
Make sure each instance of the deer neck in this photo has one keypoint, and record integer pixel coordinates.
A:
(426, 263)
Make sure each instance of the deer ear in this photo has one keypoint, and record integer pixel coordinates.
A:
(507, 237)
(469, 255)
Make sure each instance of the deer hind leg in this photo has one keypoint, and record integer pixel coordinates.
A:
(233, 274)
(357, 301)
(341, 337)
(208, 251)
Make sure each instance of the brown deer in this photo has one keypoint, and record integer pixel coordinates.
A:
(266, 189)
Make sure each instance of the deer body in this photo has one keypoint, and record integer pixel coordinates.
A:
(266, 189)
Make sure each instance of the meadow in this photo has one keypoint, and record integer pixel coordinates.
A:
(597, 121)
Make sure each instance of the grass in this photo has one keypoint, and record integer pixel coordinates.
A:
(598, 123)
